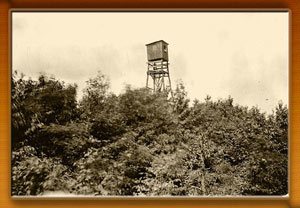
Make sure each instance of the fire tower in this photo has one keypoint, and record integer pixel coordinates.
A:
(158, 67)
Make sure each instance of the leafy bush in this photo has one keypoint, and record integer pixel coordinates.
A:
(105, 127)
(40, 102)
(32, 175)
(68, 142)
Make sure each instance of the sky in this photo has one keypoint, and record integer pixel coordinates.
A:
(241, 54)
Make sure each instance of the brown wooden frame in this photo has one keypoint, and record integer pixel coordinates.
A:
(115, 5)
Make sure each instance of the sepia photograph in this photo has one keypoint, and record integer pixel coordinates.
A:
(150, 103)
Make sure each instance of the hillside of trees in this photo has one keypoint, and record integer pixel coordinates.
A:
(142, 144)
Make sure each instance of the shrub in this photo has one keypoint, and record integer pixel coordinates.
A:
(32, 175)
(68, 142)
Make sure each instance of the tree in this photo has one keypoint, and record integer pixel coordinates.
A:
(95, 95)
(181, 102)
(40, 102)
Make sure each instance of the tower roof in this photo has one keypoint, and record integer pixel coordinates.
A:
(157, 42)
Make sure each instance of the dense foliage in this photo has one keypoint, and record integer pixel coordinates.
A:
(140, 143)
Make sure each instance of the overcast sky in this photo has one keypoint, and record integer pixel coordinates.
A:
(241, 54)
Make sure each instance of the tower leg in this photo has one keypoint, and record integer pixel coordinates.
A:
(170, 82)
(147, 78)
(163, 82)
(154, 83)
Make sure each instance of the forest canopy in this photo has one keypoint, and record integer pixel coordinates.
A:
(140, 143)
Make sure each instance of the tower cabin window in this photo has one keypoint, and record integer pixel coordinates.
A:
(165, 49)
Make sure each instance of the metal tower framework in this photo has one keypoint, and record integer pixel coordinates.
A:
(158, 70)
